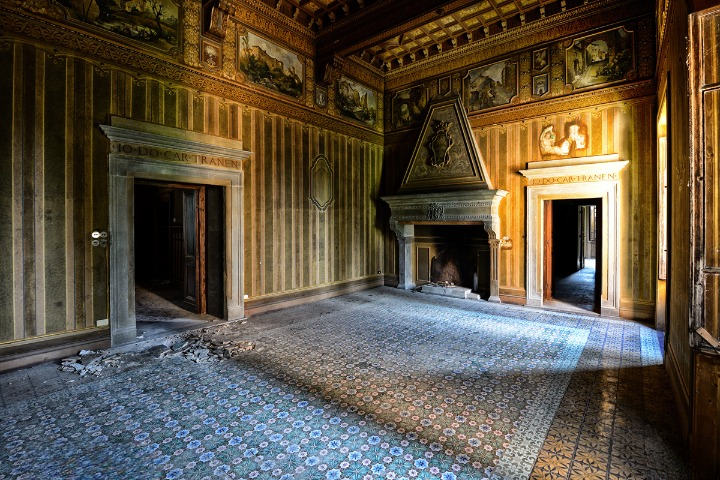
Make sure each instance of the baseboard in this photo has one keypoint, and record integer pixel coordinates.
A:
(680, 392)
(256, 305)
(391, 280)
(14, 356)
(516, 296)
(633, 310)
(514, 299)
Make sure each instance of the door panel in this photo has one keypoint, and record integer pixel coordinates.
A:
(547, 257)
(215, 251)
(190, 254)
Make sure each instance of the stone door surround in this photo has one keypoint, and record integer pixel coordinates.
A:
(575, 178)
(140, 150)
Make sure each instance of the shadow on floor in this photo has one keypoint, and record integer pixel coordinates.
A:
(577, 290)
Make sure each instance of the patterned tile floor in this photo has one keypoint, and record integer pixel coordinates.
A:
(377, 384)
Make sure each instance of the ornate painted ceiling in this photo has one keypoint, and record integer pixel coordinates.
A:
(391, 34)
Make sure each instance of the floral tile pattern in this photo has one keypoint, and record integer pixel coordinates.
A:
(379, 384)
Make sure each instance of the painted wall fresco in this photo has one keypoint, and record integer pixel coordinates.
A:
(409, 106)
(153, 22)
(271, 66)
(600, 58)
(544, 71)
(491, 86)
(570, 140)
(356, 101)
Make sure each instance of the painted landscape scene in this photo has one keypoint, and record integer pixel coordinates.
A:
(357, 101)
(270, 65)
(153, 22)
(491, 86)
(601, 58)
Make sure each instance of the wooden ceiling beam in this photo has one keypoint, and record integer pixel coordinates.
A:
(389, 19)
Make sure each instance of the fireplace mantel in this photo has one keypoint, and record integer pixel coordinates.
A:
(462, 207)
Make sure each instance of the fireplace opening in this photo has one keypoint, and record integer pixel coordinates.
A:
(453, 255)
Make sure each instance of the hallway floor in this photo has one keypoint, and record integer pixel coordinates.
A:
(575, 292)
(377, 384)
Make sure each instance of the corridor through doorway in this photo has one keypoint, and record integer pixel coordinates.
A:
(572, 254)
(179, 251)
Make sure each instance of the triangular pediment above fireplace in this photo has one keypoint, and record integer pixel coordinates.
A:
(446, 157)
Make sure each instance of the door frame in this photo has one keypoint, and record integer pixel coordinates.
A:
(549, 236)
(562, 183)
(140, 150)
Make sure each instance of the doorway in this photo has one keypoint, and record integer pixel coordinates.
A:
(572, 254)
(179, 245)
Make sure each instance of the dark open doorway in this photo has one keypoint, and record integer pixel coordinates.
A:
(573, 254)
(179, 245)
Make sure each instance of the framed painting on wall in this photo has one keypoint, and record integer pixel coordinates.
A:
(601, 58)
(211, 54)
(320, 96)
(356, 101)
(270, 65)
(152, 22)
(540, 59)
(540, 84)
(491, 85)
(408, 106)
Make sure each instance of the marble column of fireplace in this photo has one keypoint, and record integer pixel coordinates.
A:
(464, 207)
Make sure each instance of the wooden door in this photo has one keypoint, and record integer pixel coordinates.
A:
(599, 262)
(581, 214)
(547, 253)
(193, 202)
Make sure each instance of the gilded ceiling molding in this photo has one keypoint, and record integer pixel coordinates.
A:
(273, 23)
(333, 70)
(663, 13)
(382, 7)
(229, 66)
(360, 70)
(636, 92)
(41, 33)
(556, 27)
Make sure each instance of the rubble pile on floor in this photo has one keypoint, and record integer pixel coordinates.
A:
(210, 344)
(90, 361)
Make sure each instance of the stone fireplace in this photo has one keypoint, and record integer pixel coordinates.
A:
(445, 215)
(410, 213)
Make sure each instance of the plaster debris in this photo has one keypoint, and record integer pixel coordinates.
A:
(210, 344)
